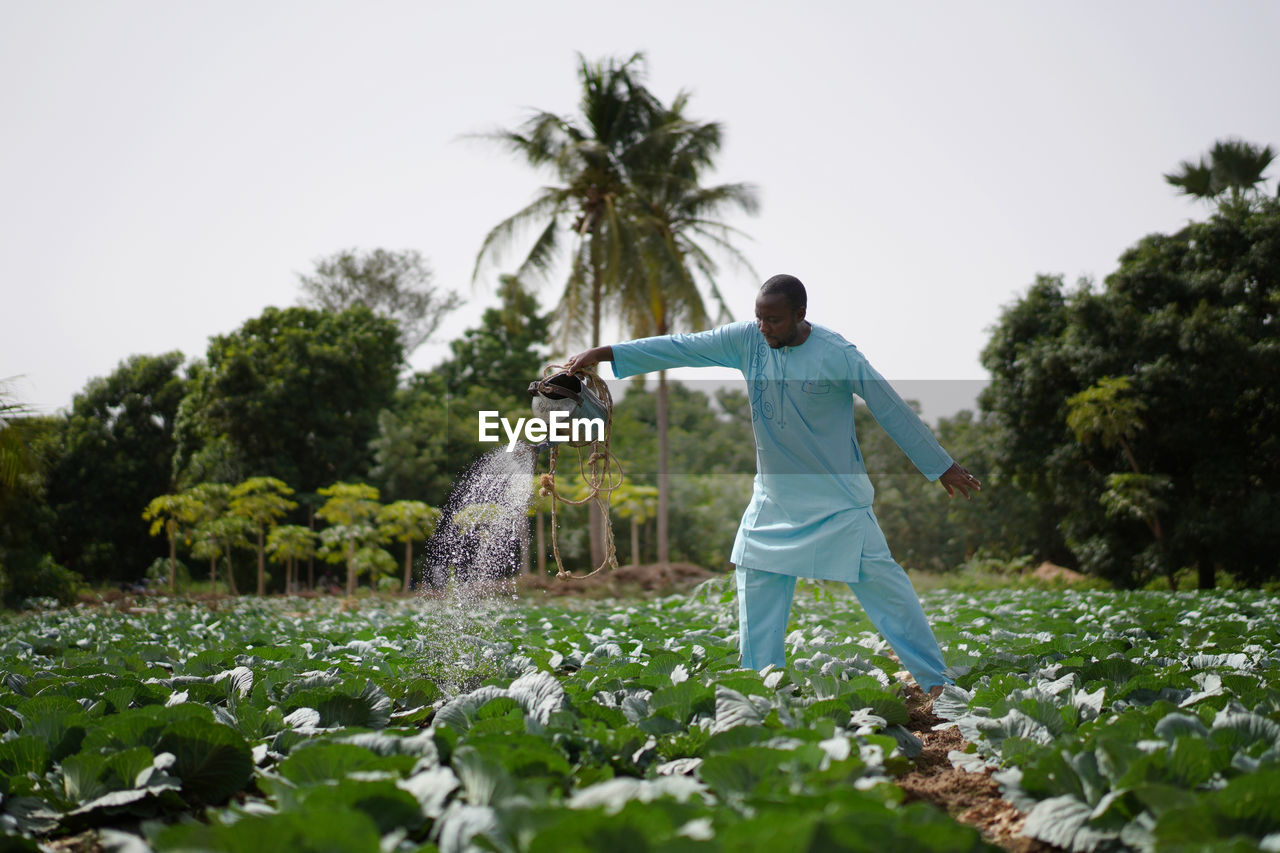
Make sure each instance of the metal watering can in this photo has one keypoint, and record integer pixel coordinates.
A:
(564, 392)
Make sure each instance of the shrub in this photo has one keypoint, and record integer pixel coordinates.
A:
(158, 575)
(26, 576)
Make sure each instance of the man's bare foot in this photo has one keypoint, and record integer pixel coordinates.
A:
(935, 691)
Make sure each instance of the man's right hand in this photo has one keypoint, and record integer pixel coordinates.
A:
(588, 358)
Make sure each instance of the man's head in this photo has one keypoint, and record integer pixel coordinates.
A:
(780, 308)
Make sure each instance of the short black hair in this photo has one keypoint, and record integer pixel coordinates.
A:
(788, 286)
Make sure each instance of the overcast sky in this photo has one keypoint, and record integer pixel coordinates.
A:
(168, 169)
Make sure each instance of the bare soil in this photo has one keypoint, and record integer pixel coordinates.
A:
(1047, 571)
(970, 798)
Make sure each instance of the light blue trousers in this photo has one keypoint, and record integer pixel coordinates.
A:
(885, 593)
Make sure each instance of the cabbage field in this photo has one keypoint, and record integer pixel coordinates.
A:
(1114, 721)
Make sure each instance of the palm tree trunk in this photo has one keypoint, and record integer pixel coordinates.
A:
(595, 517)
(664, 483)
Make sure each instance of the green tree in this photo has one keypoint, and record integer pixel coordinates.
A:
(711, 445)
(16, 456)
(680, 228)
(395, 285)
(26, 443)
(289, 543)
(926, 529)
(1006, 523)
(28, 525)
(505, 352)
(428, 437)
(115, 452)
(1108, 413)
(215, 532)
(429, 434)
(351, 509)
(1234, 168)
(637, 504)
(217, 536)
(1189, 319)
(293, 394)
(540, 506)
(709, 434)
(376, 564)
(171, 515)
(592, 156)
(261, 500)
(407, 521)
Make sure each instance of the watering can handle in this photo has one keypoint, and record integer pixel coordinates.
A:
(558, 385)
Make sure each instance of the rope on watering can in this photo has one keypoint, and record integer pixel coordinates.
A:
(597, 472)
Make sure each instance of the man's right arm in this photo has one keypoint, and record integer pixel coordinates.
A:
(721, 347)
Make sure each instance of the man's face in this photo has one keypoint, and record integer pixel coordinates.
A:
(777, 320)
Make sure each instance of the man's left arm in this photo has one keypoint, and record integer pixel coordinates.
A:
(907, 430)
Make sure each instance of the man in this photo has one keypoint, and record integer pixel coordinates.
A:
(810, 515)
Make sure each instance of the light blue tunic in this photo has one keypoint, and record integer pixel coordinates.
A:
(810, 512)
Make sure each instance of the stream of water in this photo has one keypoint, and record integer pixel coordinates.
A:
(468, 576)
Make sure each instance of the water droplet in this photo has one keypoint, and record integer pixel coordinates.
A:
(471, 562)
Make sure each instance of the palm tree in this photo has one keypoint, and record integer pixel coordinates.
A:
(1234, 167)
(593, 157)
(680, 223)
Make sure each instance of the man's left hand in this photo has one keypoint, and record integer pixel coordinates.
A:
(956, 477)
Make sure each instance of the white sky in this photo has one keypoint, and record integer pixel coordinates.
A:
(167, 169)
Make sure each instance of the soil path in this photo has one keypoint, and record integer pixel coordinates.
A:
(971, 798)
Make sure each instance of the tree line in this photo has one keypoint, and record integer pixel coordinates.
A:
(1129, 429)
(211, 519)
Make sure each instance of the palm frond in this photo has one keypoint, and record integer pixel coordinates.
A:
(498, 241)
(1193, 179)
(1234, 167)
(644, 227)
(541, 258)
